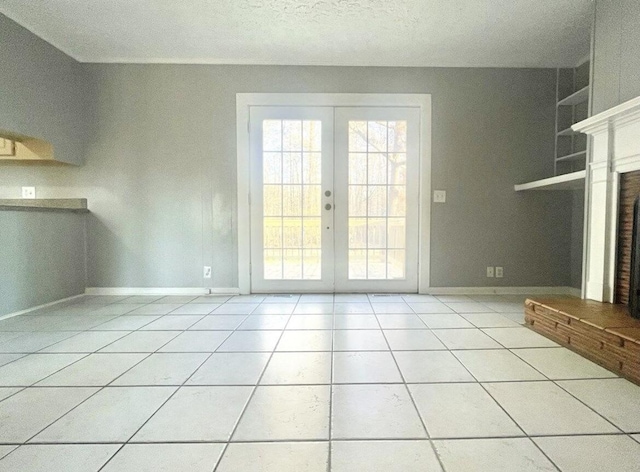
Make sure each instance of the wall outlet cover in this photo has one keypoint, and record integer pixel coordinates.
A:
(207, 272)
(489, 271)
(28, 192)
(439, 196)
(499, 272)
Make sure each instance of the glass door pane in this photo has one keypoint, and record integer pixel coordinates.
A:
(376, 149)
(291, 158)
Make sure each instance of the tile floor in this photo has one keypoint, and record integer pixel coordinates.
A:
(307, 383)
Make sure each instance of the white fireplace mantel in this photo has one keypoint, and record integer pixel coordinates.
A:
(614, 150)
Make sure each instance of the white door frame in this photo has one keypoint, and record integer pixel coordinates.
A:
(246, 100)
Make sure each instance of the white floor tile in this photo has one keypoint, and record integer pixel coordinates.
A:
(392, 308)
(465, 339)
(251, 341)
(490, 320)
(246, 299)
(383, 456)
(235, 309)
(58, 457)
(489, 365)
(313, 309)
(356, 322)
(469, 307)
(374, 412)
(430, 308)
(30, 369)
(305, 340)
(196, 341)
(298, 368)
(180, 299)
(365, 367)
(462, 410)
(519, 337)
(401, 322)
(259, 322)
(6, 392)
(592, 453)
(618, 400)
(412, 340)
(543, 408)
(218, 322)
(170, 322)
(89, 341)
(310, 322)
(286, 413)
(492, 455)
(359, 340)
(352, 308)
(7, 358)
(33, 409)
(4, 450)
(32, 342)
(123, 409)
(231, 368)
(156, 309)
(162, 369)
(351, 297)
(274, 309)
(95, 370)
(166, 457)
(431, 366)
(125, 323)
(316, 298)
(195, 309)
(141, 341)
(562, 364)
(275, 457)
(196, 414)
(445, 321)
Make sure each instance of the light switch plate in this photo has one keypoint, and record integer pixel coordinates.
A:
(439, 196)
(28, 192)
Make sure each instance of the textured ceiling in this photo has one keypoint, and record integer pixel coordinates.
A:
(462, 33)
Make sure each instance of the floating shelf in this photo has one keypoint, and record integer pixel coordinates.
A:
(572, 181)
(567, 132)
(580, 96)
(572, 157)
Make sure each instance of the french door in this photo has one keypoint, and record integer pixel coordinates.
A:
(334, 199)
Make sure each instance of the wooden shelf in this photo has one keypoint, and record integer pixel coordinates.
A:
(572, 157)
(580, 96)
(572, 181)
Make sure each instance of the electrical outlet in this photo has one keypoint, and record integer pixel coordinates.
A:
(28, 192)
(439, 196)
(489, 271)
(499, 272)
(207, 272)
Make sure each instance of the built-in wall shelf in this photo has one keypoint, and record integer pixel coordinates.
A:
(573, 156)
(567, 132)
(572, 181)
(580, 96)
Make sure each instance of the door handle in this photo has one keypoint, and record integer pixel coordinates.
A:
(327, 206)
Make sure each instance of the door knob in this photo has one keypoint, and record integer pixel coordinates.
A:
(327, 206)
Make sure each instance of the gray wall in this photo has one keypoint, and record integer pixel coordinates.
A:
(160, 174)
(577, 237)
(42, 256)
(43, 92)
(616, 65)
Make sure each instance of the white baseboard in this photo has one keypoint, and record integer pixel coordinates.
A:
(63, 301)
(161, 291)
(503, 291)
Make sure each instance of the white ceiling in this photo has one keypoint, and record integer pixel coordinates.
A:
(460, 33)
